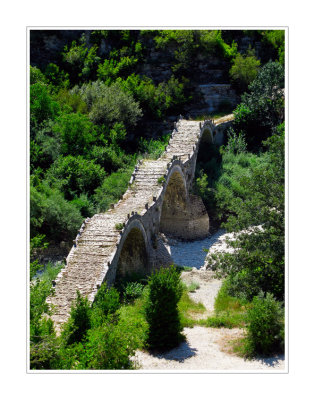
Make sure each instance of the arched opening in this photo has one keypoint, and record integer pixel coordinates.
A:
(208, 170)
(133, 261)
(174, 214)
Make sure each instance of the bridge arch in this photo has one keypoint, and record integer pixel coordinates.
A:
(132, 256)
(174, 209)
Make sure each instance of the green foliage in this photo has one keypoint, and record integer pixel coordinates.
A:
(111, 69)
(36, 76)
(71, 101)
(52, 215)
(80, 60)
(42, 104)
(161, 180)
(236, 142)
(119, 226)
(75, 175)
(275, 38)
(165, 290)
(79, 321)
(193, 286)
(244, 70)
(155, 101)
(43, 344)
(57, 77)
(255, 201)
(132, 291)
(262, 108)
(153, 148)
(106, 303)
(109, 104)
(265, 329)
(110, 347)
(201, 187)
(112, 188)
(75, 132)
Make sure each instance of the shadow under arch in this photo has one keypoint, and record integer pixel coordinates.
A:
(133, 257)
(174, 213)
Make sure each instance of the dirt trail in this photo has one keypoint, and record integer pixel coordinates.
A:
(205, 348)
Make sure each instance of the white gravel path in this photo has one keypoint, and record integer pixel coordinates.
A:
(205, 348)
(203, 351)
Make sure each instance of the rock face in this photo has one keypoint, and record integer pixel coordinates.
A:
(217, 95)
(126, 239)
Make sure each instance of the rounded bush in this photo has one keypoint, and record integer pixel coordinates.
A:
(265, 331)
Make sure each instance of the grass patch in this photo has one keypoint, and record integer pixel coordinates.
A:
(193, 286)
(133, 315)
(203, 117)
(189, 309)
(230, 312)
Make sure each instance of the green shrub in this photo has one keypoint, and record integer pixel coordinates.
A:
(244, 70)
(52, 215)
(132, 291)
(106, 301)
(79, 321)
(165, 290)
(109, 104)
(193, 286)
(75, 132)
(112, 188)
(265, 330)
(110, 346)
(42, 104)
(75, 175)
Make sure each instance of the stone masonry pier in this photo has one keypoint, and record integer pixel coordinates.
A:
(125, 239)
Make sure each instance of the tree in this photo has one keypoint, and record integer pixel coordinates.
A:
(262, 108)
(76, 133)
(244, 70)
(109, 104)
(161, 309)
(258, 260)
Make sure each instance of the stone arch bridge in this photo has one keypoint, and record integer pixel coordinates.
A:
(126, 239)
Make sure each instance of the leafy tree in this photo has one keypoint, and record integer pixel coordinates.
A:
(74, 175)
(262, 108)
(75, 132)
(244, 70)
(57, 77)
(109, 104)
(165, 290)
(80, 60)
(42, 104)
(111, 69)
(258, 260)
(52, 215)
(275, 38)
(36, 76)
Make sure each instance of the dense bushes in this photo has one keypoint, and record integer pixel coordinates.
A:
(253, 201)
(108, 104)
(165, 290)
(265, 329)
